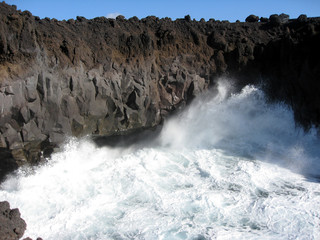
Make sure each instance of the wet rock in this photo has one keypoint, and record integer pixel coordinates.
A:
(12, 137)
(12, 226)
(25, 113)
(3, 143)
(31, 132)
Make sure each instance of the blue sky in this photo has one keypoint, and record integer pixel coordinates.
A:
(219, 9)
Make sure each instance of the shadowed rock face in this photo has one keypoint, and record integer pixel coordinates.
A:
(108, 77)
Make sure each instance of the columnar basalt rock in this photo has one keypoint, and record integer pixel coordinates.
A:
(105, 77)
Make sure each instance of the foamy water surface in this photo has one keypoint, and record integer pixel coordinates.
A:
(226, 168)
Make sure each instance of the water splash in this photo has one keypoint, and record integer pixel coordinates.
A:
(211, 174)
(246, 125)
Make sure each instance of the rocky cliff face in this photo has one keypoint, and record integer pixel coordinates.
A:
(111, 76)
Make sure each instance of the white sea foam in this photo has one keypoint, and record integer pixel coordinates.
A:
(226, 168)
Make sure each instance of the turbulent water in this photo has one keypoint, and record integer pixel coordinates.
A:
(228, 167)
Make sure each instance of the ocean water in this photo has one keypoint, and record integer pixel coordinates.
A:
(231, 166)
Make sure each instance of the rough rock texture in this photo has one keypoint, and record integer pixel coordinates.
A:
(113, 76)
(12, 226)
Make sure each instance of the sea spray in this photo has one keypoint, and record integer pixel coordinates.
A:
(245, 124)
(229, 167)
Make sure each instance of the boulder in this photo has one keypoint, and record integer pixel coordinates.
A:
(302, 18)
(252, 18)
(284, 18)
(187, 18)
(81, 19)
(276, 19)
(120, 18)
(12, 226)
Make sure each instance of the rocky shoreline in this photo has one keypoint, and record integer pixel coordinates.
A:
(107, 77)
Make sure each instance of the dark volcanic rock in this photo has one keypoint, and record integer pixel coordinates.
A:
(284, 18)
(12, 226)
(263, 19)
(302, 18)
(252, 18)
(292, 70)
(276, 19)
(107, 77)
